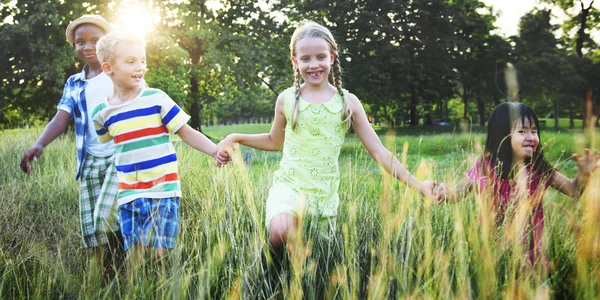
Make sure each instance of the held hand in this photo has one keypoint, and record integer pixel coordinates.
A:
(222, 158)
(227, 145)
(439, 192)
(427, 188)
(588, 162)
(32, 153)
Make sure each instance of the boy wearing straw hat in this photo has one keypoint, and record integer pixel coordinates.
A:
(95, 161)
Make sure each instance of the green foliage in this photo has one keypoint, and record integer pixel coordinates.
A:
(403, 59)
(166, 67)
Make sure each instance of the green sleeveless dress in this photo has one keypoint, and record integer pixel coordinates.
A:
(308, 177)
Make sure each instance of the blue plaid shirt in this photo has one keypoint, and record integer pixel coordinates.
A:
(73, 102)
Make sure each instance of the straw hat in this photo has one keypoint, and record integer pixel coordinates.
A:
(87, 19)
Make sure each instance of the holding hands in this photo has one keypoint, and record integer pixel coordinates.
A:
(428, 188)
(224, 150)
(222, 158)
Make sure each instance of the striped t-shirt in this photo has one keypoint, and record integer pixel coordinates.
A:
(144, 156)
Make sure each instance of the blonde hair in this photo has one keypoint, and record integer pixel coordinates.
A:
(106, 46)
(310, 29)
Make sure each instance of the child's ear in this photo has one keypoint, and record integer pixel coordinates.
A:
(333, 58)
(294, 62)
(106, 68)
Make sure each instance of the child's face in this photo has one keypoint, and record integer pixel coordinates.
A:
(85, 37)
(313, 59)
(129, 66)
(524, 140)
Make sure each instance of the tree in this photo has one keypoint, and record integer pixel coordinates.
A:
(582, 16)
(36, 59)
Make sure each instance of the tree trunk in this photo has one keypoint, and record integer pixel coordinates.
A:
(581, 35)
(195, 116)
(481, 111)
(556, 110)
(587, 111)
(195, 109)
(465, 99)
(414, 116)
(581, 31)
(571, 118)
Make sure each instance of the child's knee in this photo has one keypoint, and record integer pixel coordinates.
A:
(278, 237)
(160, 253)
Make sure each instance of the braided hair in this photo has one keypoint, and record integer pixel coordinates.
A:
(312, 29)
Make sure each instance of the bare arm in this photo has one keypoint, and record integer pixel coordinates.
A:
(455, 193)
(575, 187)
(272, 141)
(55, 127)
(380, 153)
(197, 140)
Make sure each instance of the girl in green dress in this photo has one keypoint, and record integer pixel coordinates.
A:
(311, 120)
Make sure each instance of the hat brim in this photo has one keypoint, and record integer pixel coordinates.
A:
(90, 19)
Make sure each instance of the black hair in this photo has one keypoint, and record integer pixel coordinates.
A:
(498, 148)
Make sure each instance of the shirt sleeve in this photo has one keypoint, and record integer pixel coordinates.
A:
(67, 102)
(477, 176)
(101, 131)
(173, 117)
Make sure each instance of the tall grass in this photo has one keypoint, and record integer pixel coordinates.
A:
(390, 242)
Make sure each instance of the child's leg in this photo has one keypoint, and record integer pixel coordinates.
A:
(92, 179)
(132, 216)
(279, 230)
(106, 219)
(89, 191)
(165, 224)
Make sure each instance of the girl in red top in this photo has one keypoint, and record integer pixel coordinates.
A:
(514, 175)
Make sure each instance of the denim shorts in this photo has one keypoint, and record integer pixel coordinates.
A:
(152, 221)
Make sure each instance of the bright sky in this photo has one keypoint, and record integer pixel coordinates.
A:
(512, 10)
(510, 13)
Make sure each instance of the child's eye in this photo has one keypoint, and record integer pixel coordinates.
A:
(94, 41)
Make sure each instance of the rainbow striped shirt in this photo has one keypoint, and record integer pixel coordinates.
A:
(144, 156)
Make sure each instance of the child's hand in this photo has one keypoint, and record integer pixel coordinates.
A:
(427, 188)
(31, 154)
(588, 162)
(227, 145)
(439, 192)
(221, 158)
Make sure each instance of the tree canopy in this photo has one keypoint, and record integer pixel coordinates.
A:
(227, 63)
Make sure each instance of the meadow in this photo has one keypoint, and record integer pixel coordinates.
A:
(390, 242)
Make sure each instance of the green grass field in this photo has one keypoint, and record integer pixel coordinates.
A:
(390, 242)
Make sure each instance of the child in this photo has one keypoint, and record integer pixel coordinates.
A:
(311, 121)
(95, 162)
(514, 172)
(139, 120)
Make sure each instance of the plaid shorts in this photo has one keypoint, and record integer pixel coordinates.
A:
(98, 200)
(154, 222)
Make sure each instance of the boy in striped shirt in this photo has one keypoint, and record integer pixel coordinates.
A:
(139, 120)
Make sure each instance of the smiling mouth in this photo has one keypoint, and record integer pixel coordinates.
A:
(315, 74)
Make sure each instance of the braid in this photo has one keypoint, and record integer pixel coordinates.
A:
(296, 109)
(337, 82)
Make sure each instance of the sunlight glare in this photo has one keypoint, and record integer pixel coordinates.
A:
(136, 19)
